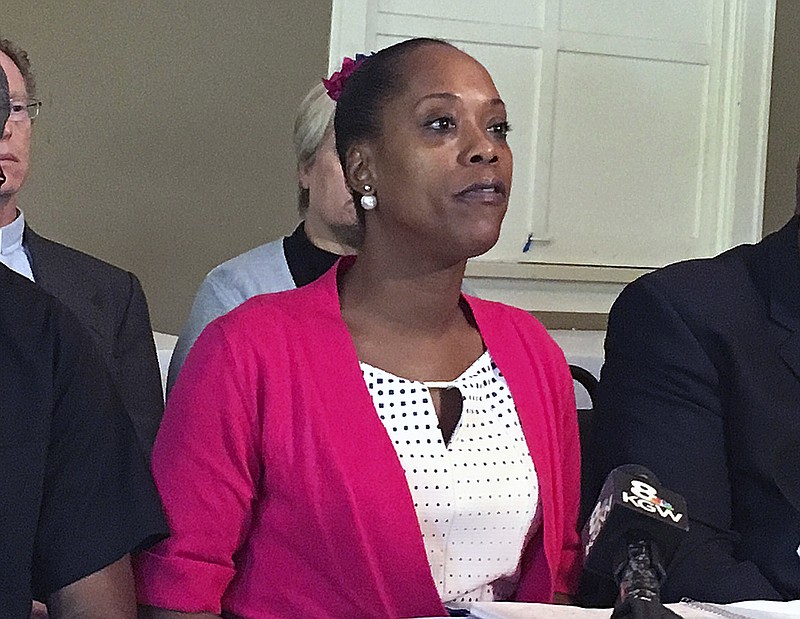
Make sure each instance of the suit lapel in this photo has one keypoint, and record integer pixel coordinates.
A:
(57, 274)
(782, 266)
(42, 263)
(790, 352)
(32, 244)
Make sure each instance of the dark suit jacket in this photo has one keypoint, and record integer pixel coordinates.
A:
(701, 384)
(111, 305)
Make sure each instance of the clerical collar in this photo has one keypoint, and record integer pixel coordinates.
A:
(306, 261)
(11, 235)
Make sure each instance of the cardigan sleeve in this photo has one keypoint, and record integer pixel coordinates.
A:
(207, 468)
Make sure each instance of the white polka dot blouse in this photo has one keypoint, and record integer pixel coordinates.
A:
(475, 497)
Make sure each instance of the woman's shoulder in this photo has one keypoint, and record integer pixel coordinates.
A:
(497, 313)
(509, 330)
(260, 270)
(298, 308)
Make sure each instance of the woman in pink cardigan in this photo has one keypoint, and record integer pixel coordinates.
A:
(377, 444)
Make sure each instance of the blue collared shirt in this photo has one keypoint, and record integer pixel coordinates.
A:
(12, 252)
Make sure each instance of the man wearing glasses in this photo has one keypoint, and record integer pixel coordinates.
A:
(107, 300)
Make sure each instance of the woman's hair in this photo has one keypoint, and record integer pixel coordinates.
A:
(314, 118)
(377, 79)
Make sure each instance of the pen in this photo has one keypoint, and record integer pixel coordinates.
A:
(528, 242)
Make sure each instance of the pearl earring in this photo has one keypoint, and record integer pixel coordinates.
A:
(368, 201)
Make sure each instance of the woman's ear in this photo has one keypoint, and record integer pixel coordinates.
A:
(303, 173)
(360, 169)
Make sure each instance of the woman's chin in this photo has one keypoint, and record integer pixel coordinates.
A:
(480, 244)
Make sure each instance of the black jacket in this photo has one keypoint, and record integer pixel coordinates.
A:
(110, 304)
(77, 494)
(701, 384)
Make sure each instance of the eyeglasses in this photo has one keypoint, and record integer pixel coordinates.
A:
(24, 111)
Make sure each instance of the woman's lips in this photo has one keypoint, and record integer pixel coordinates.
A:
(487, 192)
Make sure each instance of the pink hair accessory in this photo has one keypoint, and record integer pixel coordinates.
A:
(335, 83)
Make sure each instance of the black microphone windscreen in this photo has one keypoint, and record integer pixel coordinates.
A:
(632, 505)
(641, 471)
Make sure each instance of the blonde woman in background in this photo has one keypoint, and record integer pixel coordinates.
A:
(329, 230)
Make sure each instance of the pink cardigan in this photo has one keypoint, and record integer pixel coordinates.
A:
(283, 491)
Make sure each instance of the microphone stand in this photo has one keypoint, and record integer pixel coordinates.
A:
(639, 578)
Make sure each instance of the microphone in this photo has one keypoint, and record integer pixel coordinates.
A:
(631, 535)
(5, 102)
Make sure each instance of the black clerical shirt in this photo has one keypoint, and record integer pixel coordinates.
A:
(75, 492)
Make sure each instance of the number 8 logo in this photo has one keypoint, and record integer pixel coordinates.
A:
(643, 490)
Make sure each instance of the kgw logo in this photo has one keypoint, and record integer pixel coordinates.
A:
(645, 497)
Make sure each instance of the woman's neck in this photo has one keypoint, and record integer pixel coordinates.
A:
(324, 237)
(406, 293)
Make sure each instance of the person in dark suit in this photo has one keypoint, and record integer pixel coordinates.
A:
(69, 462)
(701, 384)
(107, 300)
(78, 498)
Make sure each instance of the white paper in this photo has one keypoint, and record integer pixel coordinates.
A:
(747, 610)
(764, 609)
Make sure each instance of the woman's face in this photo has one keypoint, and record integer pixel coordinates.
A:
(442, 166)
(329, 198)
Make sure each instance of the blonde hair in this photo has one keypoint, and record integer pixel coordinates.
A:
(314, 119)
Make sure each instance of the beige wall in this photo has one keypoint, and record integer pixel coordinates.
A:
(165, 142)
(784, 118)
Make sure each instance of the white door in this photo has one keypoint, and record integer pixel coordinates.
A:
(639, 130)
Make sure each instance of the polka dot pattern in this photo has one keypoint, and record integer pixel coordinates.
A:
(476, 496)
